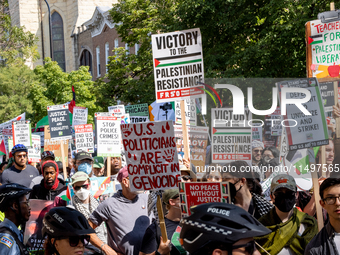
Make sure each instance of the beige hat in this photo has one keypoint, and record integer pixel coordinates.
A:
(79, 177)
(183, 168)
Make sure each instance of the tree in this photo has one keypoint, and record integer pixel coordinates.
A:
(55, 87)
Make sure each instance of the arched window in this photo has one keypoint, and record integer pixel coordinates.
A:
(58, 40)
(86, 60)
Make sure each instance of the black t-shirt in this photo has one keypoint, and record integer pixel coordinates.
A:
(151, 237)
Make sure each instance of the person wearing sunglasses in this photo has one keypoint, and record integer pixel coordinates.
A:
(187, 175)
(84, 202)
(220, 229)
(327, 241)
(257, 149)
(15, 205)
(291, 229)
(66, 230)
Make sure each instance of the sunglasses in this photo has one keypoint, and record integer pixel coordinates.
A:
(85, 186)
(74, 240)
(186, 177)
(249, 247)
(257, 151)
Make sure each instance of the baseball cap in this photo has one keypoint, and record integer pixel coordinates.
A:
(123, 173)
(169, 194)
(83, 155)
(98, 162)
(79, 177)
(283, 181)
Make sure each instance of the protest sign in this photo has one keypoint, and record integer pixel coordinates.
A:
(150, 151)
(178, 64)
(40, 132)
(10, 143)
(22, 132)
(55, 146)
(231, 136)
(34, 153)
(102, 186)
(327, 93)
(139, 119)
(84, 138)
(33, 237)
(275, 126)
(137, 110)
(7, 134)
(190, 112)
(118, 110)
(8, 124)
(59, 122)
(79, 115)
(198, 141)
(283, 145)
(308, 130)
(108, 135)
(196, 193)
(257, 133)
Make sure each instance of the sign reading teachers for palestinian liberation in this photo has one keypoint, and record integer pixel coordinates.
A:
(59, 122)
(151, 155)
(22, 132)
(178, 64)
(305, 131)
(84, 138)
(137, 110)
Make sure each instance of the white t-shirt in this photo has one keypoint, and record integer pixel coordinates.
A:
(337, 240)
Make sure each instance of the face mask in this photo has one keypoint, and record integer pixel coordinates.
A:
(85, 167)
(266, 159)
(82, 194)
(285, 203)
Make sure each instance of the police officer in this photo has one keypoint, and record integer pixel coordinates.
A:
(14, 203)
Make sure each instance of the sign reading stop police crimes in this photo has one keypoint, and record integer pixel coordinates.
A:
(22, 132)
(178, 64)
(190, 112)
(84, 138)
(305, 131)
(151, 154)
(59, 122)
(108, 135)
(231, 136)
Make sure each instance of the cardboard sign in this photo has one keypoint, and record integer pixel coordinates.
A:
(231, 136)
(257, 133)
(59, 122)
(178, 64)
(79, 115)
(139, 119)
(310, 130)
(33, 237)
(34, 153)
(198, 141)
(190, 112)
(54, 145)
(8, 124)
(196, 193)
(22, 132)
(84, 138)
(118, 110)
(108, 135)
(150, 151)
(137, 110)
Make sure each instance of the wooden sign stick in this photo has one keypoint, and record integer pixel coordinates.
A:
(185, 132)
(63, 158)
(161, 217)
(108, 166)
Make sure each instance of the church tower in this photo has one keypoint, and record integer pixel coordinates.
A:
(66, 16)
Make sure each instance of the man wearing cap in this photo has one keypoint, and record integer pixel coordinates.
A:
(50, 186)
(15, 205)
(152, 240)
(187, 175)
(83, 162)
(98, 166)
(257, 148)
(126, 217)
(291, 229)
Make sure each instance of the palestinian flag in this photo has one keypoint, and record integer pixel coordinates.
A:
(315, 39)
(178, 60)
(225, 189)
(66, 194)
(2, 148)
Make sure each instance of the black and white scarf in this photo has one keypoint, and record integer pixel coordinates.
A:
(79, 205)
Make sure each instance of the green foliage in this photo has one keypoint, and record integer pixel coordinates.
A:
(55, 87)
(15, 83)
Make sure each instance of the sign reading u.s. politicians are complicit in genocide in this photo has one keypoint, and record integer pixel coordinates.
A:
(151, 155)
(178, 64)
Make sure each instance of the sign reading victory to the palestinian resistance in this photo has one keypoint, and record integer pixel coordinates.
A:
(137, 110)
(34, 154)
(178, 64)
(305, 131)
(118, 110)
(231, 136)
(196, 193)
(151, 155)
(59, 122)
(108, 134)
(79, 115)
(190, 112)
(84, 138)
(22, 132)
